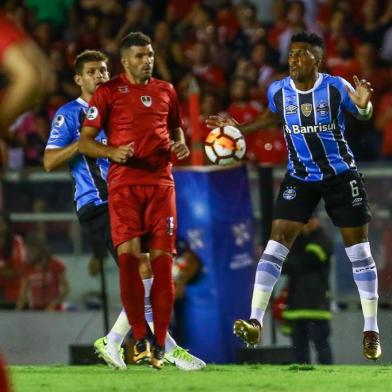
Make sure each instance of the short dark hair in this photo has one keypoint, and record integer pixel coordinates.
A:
(86, 57)
(311, 39)
(134, 39)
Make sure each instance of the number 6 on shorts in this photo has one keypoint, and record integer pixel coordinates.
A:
(354, 188)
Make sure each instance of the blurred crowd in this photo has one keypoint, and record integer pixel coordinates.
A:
(229, 51)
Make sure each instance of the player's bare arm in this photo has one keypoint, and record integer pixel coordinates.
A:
(179, 146)
(90, 147)
(26, 67)
(55, 157)
(361, 98)
(265, 120)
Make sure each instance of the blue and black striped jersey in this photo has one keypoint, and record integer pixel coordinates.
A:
(314, 126)
(89, 174)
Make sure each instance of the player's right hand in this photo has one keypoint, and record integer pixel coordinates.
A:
(219, 121)
(121, 154)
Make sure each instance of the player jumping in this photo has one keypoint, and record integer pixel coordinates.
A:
(321, 165)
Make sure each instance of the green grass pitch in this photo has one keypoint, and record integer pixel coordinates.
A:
(238, 378)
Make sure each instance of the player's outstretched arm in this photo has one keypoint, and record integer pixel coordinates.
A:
(179, 146)
(55, 157)
(360, 97)
(90, 147)
(265, 120)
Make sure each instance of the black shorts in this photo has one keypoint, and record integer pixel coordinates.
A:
(95, 223)
(344, 195)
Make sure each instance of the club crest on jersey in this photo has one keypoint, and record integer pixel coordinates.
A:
(123, 89)
(59, 121)
(291, 109)
(92, 113)
(289, 193)
(322, 109)
(146, 100)
(306, 109)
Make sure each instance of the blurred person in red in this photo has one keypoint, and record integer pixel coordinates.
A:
(137, 18)
(4, 384)
(363, 138)
(226, 19)
(202, 67)
(178, 9)
(141, 117)
(279, 22)
(44, 284)
(12, 260)
(210, 103)
(296, 23)
(369, 66)
(250, 32)
(384, 125)
(340, 44)
(241, 106)
(169, 58)
(26, 70)
(376, 18)
(266, 146)
(261, 58)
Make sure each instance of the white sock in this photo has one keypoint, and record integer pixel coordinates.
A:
(147, 302)
(170, 343)
(119, 330)
(267, 274)
(365, 277)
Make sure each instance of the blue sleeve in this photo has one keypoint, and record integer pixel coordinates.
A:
(272, 89)
(346, 100)
(62, 132)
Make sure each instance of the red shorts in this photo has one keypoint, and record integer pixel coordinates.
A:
(146, 211)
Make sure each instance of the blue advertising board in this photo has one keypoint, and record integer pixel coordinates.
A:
(215, 218)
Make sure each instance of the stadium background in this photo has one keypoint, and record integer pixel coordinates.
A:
(226, 53)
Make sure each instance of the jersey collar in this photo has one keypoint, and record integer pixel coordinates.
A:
(82, 101)
(316, 84)
(126, 80)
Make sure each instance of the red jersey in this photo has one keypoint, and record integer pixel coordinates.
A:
(9, 34)
(143, 114)
(10, 286)
(43, 284)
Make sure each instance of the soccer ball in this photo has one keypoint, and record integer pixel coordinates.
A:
(225, 145)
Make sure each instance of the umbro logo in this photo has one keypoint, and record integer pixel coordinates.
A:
(357, 201)
(291, 109)
(123, 89)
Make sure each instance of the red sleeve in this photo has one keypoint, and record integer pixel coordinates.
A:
(97, 112)
(9, 34)
(174, 119)
(57, 266)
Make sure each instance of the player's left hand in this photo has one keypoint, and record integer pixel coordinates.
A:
(362, 93)
(180, 149)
